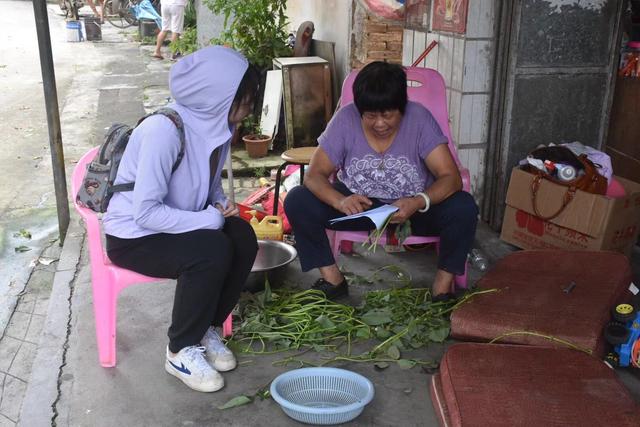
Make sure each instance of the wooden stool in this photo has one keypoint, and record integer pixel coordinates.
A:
(294, 156)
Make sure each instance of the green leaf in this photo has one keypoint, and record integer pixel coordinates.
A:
(439, 334)
(393, 352)
(415, 343)
(22, 248)
(406, 363)
(363, 333)
(325, 322)
(382, 333)
(23, 233)
(381, 365)
(376, 317)
(236, 401)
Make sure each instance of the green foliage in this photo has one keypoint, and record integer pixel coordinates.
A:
(399, 319)
(190, 20)
(187, 43)
(250, 125)
(260, 172)
(257, 28)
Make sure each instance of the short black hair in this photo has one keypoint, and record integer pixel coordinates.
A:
(248, 87)
(380, 86)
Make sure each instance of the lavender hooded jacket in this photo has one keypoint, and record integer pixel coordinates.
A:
(203, 86)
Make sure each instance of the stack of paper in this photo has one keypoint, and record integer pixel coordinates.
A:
(378, 215)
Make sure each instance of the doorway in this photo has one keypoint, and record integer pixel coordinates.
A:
(553, 82)
(623, 138)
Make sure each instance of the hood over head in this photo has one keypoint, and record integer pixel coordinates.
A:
(203, 85)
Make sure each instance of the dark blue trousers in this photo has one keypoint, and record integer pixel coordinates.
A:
(453, 219)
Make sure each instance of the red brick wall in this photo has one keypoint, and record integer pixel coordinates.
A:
(374, 38)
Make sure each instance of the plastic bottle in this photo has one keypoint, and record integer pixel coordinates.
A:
(478, 260)
(565, 172)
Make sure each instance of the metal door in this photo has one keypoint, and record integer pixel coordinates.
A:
(554, 77)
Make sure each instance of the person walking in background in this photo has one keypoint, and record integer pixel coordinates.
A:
(95, 11)
(172, 12)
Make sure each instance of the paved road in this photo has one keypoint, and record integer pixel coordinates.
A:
(27, 198)
(91, 93)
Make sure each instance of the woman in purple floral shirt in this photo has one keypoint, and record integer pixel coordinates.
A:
(385, 149)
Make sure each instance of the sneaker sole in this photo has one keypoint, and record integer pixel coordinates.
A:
(194, 386)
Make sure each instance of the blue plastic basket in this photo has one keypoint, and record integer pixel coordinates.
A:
(322, 396)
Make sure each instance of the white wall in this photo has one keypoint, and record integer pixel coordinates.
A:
(209, 25)
(466, 63)
(331, 20)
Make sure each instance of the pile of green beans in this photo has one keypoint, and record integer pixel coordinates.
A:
(292, 319)
(399, 319)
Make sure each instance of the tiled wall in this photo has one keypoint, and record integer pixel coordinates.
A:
(466, 63)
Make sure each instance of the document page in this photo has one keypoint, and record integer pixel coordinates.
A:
(378, 215)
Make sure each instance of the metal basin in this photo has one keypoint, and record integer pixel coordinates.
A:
(270, 264)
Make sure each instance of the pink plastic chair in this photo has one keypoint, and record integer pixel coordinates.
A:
(425, 86)
(107, 279)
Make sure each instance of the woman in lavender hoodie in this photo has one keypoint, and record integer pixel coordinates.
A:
(180, 225)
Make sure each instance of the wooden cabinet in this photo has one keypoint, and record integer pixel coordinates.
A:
(308, 106)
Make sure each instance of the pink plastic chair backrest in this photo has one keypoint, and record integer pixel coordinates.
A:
(90, 217)
(426, 87)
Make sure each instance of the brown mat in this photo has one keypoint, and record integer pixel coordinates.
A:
(510, 385)
(531, 298)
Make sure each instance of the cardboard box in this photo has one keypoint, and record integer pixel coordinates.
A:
(589, 222)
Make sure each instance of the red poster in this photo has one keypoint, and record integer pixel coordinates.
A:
(450, 15)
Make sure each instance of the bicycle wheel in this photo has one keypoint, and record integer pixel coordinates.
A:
(122, 18)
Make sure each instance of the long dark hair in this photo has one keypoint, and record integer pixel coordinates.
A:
(380, 86)
(248, 88)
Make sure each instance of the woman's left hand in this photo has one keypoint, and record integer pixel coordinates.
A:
(230, 210)
(407, 206)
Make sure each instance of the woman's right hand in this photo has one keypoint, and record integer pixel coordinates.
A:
(353, 204)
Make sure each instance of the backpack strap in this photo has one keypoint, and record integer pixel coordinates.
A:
(121, 187)
(172, 115)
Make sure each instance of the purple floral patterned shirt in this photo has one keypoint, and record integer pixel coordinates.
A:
(398, 172)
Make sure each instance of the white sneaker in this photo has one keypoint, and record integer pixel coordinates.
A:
(217, 353)
(190, 366)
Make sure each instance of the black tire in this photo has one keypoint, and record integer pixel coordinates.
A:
(623, 313)
(122, 18)
(616, 333)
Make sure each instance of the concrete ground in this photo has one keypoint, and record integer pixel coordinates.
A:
(69, 388)
(48, 358)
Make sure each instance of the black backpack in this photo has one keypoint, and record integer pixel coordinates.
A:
(97, 185)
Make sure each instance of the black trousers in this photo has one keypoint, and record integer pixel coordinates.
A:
(454, 220)
(211, 268)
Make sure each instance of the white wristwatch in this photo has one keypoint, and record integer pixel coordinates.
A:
(427, 202)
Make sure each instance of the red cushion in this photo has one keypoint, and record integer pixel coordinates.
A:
(510, 385)
(531, 298)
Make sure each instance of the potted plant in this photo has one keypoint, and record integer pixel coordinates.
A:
(255, 142)
(255, 28)
(258, 29)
